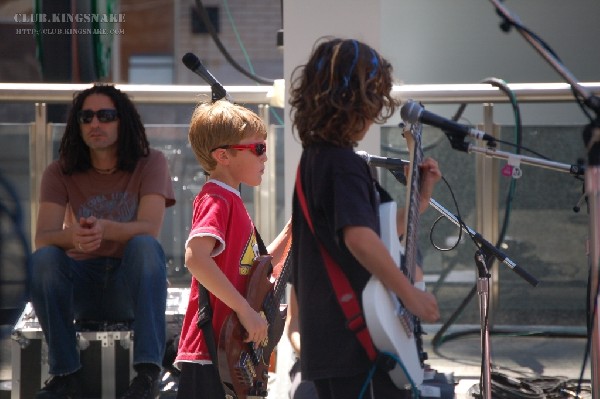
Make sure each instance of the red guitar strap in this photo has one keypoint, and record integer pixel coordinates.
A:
(343, 290)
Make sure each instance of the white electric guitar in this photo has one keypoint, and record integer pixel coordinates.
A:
(392, 327)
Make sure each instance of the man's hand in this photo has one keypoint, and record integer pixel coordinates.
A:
(87, 236)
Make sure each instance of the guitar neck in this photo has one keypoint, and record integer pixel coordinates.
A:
(413, 139)
(282, 280)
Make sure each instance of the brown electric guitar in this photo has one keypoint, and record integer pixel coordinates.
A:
(244, 369)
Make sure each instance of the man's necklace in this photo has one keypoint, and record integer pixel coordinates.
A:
(105, 171)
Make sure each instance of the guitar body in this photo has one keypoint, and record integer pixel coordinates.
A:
(245, 369)
(391, 327)
(392, 334)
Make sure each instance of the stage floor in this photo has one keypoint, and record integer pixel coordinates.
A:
(542, 352)
(518, 351)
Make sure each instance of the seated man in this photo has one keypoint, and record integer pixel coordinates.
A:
(101, 208)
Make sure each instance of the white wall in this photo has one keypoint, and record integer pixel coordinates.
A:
(458, 41)
(306, 21)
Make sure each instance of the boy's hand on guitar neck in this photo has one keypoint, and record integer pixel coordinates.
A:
(256, 325)
(430, 176)
(422, 304)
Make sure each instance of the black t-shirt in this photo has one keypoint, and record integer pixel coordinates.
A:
(340, 192)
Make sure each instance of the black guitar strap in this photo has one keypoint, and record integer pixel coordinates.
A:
(262, 249)
(205, 324)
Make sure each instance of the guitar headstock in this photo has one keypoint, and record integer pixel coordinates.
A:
(412, 135)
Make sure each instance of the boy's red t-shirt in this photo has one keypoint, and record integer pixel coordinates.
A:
(218, 212)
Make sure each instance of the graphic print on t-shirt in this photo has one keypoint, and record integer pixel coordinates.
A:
(250, 253)
(120, 207)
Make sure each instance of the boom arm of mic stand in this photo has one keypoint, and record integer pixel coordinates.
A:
(592, 101)
(487, 246)
(576, 170)
(485, 243)
(398, 173)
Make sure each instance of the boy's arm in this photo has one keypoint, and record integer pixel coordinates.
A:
(366, 246)
(200, 263)
(280, 246)
(291, 322)
(430, 176)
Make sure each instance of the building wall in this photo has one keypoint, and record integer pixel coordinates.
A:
(148, 30)
(163, 28)
(256, 24)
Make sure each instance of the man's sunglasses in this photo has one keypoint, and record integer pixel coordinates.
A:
(103, 115)
(257, 148)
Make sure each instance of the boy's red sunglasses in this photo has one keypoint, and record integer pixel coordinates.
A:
(257, 148)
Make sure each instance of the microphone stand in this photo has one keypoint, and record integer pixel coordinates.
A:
(515, 160)
(483, 256)
(591, 138)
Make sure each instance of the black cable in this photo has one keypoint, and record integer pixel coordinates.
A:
(510, 387)
(439, 338)
(503, 387)
(213, 34)
(518, 132)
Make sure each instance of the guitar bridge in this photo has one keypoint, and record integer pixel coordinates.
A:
(245, 370)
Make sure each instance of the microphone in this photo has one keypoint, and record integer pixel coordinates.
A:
(193, 64)
(383, 162)
(412, 112)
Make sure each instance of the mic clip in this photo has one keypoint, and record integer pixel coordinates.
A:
(218, 92)
(457, 142)
(398, 173)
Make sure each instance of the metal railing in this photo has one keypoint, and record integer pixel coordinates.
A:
(40, 152)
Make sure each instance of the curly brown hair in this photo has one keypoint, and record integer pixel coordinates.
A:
(132, 142)
(344, 85)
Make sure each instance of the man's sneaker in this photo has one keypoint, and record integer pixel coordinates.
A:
(61, 387)
(143, 386)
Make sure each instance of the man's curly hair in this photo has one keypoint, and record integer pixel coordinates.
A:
(132, 142)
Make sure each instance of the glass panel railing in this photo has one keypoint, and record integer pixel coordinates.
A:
(188, 178)
(544, 235)
(14, 162)
(15, 216)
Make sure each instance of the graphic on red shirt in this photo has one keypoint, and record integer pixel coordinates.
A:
(248, 256)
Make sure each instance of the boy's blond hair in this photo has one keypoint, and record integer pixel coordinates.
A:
(221, 123)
